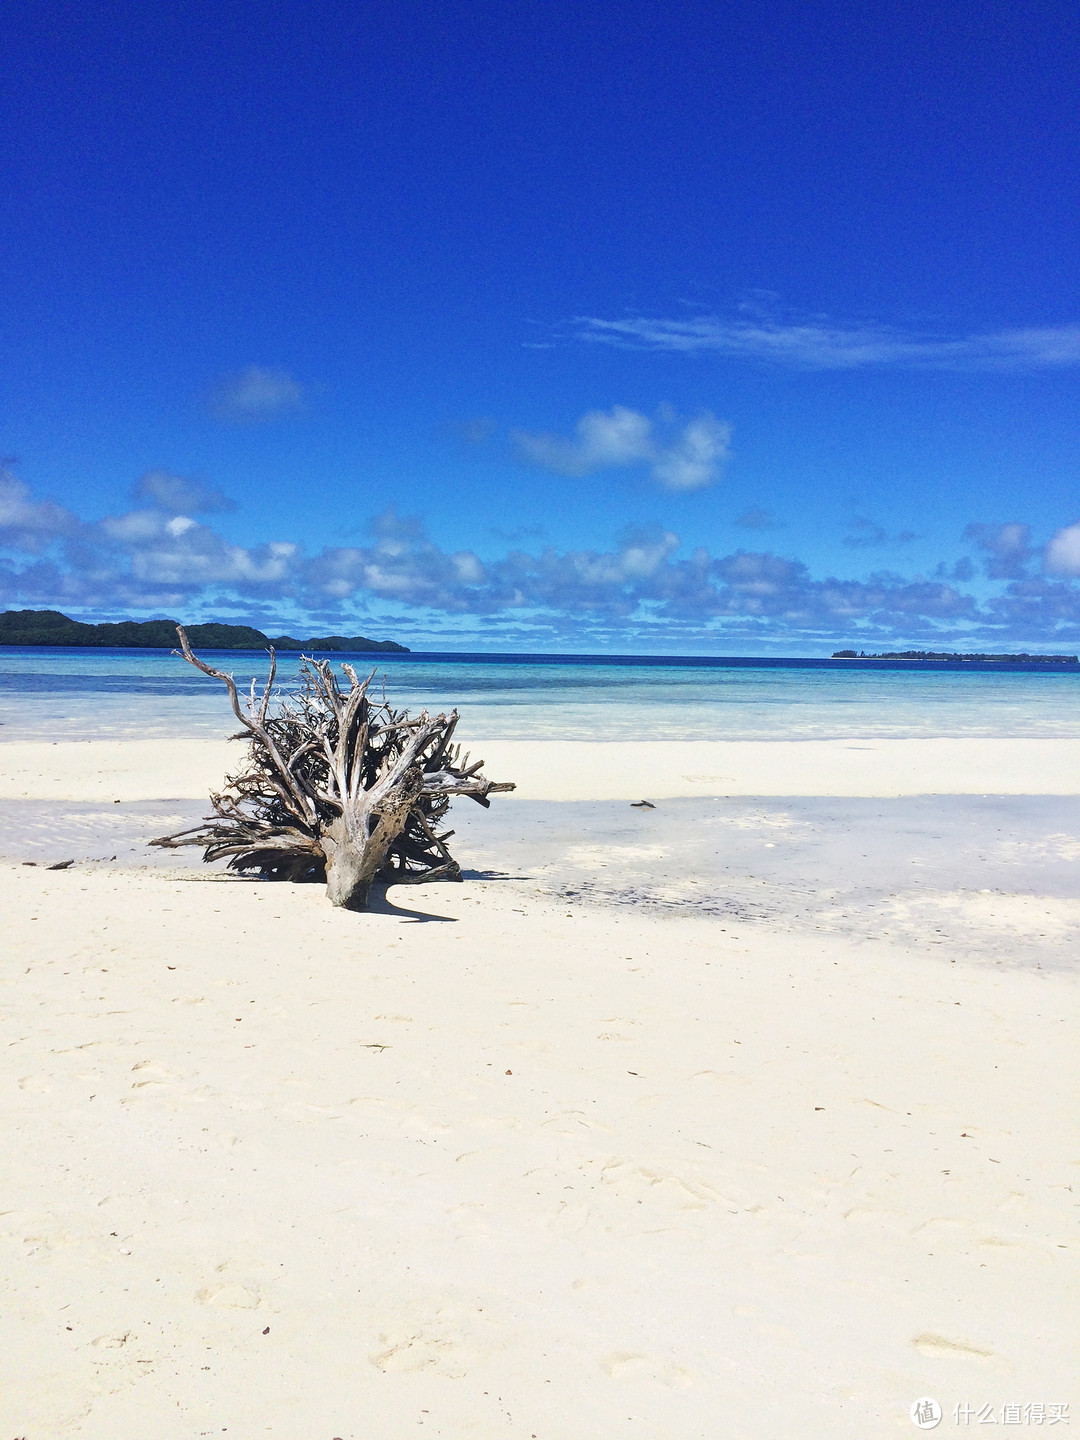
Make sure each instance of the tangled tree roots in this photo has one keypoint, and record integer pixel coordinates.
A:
(336, 787)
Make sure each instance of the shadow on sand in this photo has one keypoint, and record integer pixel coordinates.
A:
(379, 904)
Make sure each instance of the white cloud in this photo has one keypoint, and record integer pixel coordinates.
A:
(467, 567)
(28, 524)
(136, 527)
(255, 394)
(1062, 555)
(179, 494)
(679, 455)
(604, 438)
(196, 557)
(818, 345)
(694, 460)
(1007, 547)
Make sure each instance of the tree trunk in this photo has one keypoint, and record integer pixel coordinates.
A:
(349, 867)
(357, 842)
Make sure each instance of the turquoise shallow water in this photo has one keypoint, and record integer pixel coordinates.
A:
(86, 694)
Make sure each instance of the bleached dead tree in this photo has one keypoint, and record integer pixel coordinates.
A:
(336, 784)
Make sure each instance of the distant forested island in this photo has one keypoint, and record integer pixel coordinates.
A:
(952, 655)
(49, 627)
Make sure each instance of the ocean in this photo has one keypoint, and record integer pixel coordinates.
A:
(910, 868)
(73, 694)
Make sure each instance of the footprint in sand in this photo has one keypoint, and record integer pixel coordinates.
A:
(420, 1352)
(875, 1216)
(941, 1223)
(229, 1297)
(937, 1347)
(626, 1366)
(47, 1243)
(425, 1124)
(571, 1122)
(149, 1076)
(1018, 1203)
(1013, 1249)
(685, 1193)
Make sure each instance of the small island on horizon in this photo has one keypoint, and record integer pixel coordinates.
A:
(50, 627)
(954, 656)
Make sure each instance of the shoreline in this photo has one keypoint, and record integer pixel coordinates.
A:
(985, 879)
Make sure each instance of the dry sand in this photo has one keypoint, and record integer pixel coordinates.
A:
(580, 770)
(507, 1166)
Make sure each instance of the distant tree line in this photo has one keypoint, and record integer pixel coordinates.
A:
(952, 655)
(49, 627)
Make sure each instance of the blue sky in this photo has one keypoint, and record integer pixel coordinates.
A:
(690, 328)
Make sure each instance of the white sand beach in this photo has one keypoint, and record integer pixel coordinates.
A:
(504, 1161)
(583, 770)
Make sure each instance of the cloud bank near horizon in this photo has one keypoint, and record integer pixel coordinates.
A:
(647, 588)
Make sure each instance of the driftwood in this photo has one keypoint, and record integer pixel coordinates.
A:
(336, 787)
